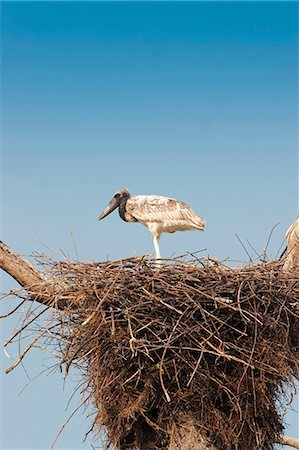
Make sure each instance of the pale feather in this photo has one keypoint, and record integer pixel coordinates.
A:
(153, 208)
(292, 236)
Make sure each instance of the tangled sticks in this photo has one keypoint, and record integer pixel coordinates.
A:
(191, 354)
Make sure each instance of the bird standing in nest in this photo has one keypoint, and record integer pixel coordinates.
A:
(159, 214)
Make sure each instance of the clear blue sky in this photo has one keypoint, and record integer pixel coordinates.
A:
(195, 100)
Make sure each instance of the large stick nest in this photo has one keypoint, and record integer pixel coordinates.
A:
(197, 343)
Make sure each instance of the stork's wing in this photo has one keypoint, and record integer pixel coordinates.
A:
(152, 208)
(293, 230)
(292, 257)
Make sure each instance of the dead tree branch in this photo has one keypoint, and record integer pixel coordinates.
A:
(41, 287)
(287, 440)
(20, 269)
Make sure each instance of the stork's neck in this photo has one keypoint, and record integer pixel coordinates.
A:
(122, 206)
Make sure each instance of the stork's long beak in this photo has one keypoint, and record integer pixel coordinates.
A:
(111, 207)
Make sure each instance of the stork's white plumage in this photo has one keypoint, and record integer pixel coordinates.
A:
(292, 250)
(159, 214)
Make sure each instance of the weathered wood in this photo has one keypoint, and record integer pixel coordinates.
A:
(19, 268)
(39, 286)
(287, 440)
(184, 435)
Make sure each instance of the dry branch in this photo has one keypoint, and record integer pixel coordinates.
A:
(287, 440)
(20, 269)
(191, 352)
(33, 280)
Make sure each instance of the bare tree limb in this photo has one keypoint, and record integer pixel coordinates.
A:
(287, 440)
(30, 278)
(20, 269)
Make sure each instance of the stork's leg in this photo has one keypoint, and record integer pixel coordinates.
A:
(157, 248)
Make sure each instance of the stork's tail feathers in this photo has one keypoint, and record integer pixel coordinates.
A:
(200, 223)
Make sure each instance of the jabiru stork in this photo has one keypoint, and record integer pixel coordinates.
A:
(158, 213)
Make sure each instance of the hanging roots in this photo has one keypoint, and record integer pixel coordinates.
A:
(192, 351)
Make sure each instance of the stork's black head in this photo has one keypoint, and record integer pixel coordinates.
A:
(114, 203)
